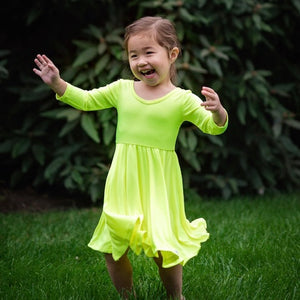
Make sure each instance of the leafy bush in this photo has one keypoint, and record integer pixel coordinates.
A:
(234, 47)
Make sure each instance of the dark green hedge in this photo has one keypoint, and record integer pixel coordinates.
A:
(248, 51)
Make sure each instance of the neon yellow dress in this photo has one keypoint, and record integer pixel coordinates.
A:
(143, 202)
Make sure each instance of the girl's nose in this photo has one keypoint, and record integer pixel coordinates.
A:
(141, 62)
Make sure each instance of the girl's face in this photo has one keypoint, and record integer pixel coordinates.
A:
(150, 62)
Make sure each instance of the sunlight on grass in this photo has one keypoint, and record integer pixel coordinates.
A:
(253, 253)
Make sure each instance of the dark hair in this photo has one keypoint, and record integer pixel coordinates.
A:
(162, 30)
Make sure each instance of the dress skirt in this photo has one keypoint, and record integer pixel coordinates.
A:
(143, 208)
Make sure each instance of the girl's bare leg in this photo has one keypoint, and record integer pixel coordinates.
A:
(121, 274)
(171, 279)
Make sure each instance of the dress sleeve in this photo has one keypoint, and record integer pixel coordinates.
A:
(198, 115)
(96, 99)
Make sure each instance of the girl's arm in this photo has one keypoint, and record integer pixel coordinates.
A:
(214, 105)
(49, 73)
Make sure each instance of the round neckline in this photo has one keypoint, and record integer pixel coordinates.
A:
(153, 101)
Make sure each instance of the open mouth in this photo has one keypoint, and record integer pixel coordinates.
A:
(148, 72)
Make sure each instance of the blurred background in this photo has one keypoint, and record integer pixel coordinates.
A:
(247, 50)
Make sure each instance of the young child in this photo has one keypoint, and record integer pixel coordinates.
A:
(143, 206)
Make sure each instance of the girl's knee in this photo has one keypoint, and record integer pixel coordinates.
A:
(110, 260)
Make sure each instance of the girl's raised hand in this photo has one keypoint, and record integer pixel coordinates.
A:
(214, 105)
(48, 72)
(212, 102)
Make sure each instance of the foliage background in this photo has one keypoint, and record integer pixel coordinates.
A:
(248, 51)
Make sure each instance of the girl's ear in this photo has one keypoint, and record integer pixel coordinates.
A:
(174, 54)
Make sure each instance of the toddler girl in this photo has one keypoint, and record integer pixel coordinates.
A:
(143, 206)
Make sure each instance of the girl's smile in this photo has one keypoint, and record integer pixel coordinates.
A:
(150, 62)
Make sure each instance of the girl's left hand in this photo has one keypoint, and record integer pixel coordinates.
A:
(212, 102)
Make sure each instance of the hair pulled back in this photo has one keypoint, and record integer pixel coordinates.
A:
(162, 30)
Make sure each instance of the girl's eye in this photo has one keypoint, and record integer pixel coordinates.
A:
(149, 52)
(133, 56)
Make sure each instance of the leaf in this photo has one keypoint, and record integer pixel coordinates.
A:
(4, 52)
(214, 66)
(96, 190)
(70, 114)
(62, 113)
(16, 177)
(255, 178)
(67, 128)
(216, 140)
(53, 114)
(101, 48)
(117, 52)
(69, 183)
(108, 133)
(182, 138)
(296, 3)
(115, 69)
(186, 15)
(26, 164)
(257, 20)
(222, 55)
(20, 147)
(205, 52)
(88, 125)
(95, 31)
(191, 158)
(277, 128)
(197, 68)
(229, 4)
(3, 73)
(151, 4)
(289, 145)
(241, 89)
(292, 123)
(81, 78)
(76, 176)
(86, 56)
(52, 169)
(39, 153)
(241, 112)
(83, 44)
(252, 109)
(192, 140)
(33, 15)
(69, 74)
(102, 63)
(6, 146)
(112, 38)
(204, 41)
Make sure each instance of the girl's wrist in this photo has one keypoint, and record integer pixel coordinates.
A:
(220, 116)
(59, 86)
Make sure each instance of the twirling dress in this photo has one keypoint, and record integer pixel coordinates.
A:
(143, 202)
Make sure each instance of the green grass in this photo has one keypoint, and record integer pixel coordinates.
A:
(253, 253)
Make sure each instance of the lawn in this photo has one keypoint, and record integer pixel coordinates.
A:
(253, 253)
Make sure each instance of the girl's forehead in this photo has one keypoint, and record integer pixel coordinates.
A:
(141, 38)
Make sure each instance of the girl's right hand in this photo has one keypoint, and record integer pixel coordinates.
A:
(49, 73)
(46, 69)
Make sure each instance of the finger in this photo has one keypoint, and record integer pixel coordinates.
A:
(206, 104)
(37, 72)
(47, 60)
(208, 94)
(206, 88)
(42, 60)
(38, 63)
(209, 104)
